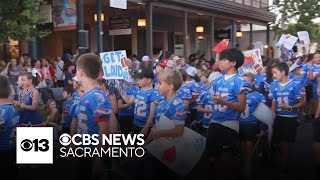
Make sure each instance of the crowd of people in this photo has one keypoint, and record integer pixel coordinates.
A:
(210, 97)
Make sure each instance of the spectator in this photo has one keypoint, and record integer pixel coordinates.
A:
(59, 72)
(52, 69)
(135, 63)
(45, 71)
(69, 75)
(12, 71)
(52, 115)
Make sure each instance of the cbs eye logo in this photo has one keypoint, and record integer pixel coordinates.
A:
(65, 139)
(36, 145)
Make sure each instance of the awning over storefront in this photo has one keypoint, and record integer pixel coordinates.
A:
(224, 8)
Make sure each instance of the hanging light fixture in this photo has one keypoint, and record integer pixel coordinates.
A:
(199, 29)
(142, 22)
(201, 38)
(239, 34)
(96, 17)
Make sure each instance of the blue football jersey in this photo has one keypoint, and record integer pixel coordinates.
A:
(299, 79)
(259, 79)
(174, 109)
(94, 107)
(75, 99)
(28, 117)
(229, 90)
(156, 81)
(205, 100)
(315, 69)
(253, 100)
(304, 72)
(288, 94)
(184, 93)
(9, 120)
(130, 91)
(195, 91)
(67, 118)
(143, 100)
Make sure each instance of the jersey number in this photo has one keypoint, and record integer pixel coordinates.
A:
(141, 109)
(207, 115)
(219, 107)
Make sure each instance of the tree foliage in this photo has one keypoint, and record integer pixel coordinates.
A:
(296, 15)
(19, 20)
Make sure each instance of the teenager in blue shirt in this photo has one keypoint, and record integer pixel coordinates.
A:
(95, 110)
(230, 101)
(287, 99)
(9, 119)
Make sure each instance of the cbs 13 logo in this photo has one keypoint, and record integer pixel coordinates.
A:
(36, 145)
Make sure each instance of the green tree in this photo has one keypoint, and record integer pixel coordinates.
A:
(296, 15)
(19, 20)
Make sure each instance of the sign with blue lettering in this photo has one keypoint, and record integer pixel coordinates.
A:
(114, 65)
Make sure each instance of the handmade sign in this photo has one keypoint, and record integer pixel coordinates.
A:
(222, 45)
(114, 65)
(179, 154)
(252, 62)
(288, 41)
(304, 37)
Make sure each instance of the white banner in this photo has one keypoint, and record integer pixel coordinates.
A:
(304, 38)
(179, 154)
(114, 64)
(120, 4)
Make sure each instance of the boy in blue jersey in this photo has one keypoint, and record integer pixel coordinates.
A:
(314, 74)
(172, 107)
(316, 134)
(195, 90)
(95, 110)
(229, 99)
(67, 118)
(248, 125)
(184, 91)
(126, 111)
(206, 105)
(287, 99)
(145, 101)
(308, 84)
(9, 119)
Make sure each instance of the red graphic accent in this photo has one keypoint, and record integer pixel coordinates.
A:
(170, 154)
(288, 37)
(248, 60)
(222, 45)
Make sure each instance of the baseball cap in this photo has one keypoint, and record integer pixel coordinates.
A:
(68, 56)
(294, 66)
(145, 58)
(168, 63)
(176, 58)
(145, 73)
(213, 76)
(192, 71)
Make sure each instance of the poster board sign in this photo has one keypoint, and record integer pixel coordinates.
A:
(64, 14)
(304, 38)
(114, 64)
(179, 154)
(252, 62)
(120, 4)
(288, 41)
(222, 45)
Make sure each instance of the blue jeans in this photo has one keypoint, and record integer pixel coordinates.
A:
(49, 83)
